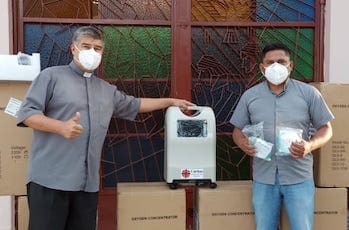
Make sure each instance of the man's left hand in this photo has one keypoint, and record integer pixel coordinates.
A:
(300, 149)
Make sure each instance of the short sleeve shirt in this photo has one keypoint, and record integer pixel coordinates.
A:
(299, 106)
(59, 92)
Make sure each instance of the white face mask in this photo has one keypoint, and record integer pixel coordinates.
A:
(89, 59)
(276, 73)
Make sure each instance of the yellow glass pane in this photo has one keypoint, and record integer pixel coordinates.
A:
(223, 10)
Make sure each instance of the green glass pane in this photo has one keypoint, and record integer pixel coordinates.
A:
(301, 43)
(137, 52)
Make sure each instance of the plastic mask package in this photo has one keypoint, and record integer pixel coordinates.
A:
(256, 138)
(284, 138)
(263, 147)
(254, 130)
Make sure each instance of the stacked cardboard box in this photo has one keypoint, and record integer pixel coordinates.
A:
(14, 143)
(331, 162)
(14, 153)
(16, 73)
(229, 206)
(330, 210)
(150, 206)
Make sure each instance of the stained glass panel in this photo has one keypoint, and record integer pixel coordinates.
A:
(130, 52)
(135, 9)
(224, 65)
(285, 11)
(223, 10)
(86, 9)
(148, 124)
(224, 52)
(57, 9)
(232, 163)
(132, 159)
(301, 43)
(253, 10)
(139, 159)
(52, 41)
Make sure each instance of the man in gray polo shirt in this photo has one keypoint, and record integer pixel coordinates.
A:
(69, 109)
(289, 110)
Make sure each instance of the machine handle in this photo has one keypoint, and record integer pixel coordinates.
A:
(194, 107)
(192, 111)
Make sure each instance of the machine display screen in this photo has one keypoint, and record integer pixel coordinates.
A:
(191, 128)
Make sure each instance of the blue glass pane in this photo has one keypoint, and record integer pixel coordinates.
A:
(51, 41)
(132, 159)
(227, 53)
(224, 65)
(285, 10)
(221, 96)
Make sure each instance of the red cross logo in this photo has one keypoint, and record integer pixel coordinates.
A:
(185, 173)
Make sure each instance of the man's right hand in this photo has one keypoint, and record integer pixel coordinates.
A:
(71, 128)
(242, 141)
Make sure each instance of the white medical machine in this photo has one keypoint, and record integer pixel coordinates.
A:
(190, 146)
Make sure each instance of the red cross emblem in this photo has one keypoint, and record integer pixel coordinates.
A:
(185, 173)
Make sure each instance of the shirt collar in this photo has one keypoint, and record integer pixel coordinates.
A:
(286, 85)
(76, 69)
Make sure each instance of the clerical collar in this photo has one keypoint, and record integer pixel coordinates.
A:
(87, 74)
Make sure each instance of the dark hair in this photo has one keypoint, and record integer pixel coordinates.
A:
(88, 31)
(275, 46)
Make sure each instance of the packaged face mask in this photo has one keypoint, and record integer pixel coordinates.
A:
(284, 138)
(263, 148)
(254, 130)
(256, 138)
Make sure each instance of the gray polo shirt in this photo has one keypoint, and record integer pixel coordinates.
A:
(299, 106)
(59, 92)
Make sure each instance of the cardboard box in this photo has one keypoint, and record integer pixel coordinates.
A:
(22, 213)
(14, 143)
(331, 162)
(330, 210)
(7, 220)
(229, 206)
(150, 205)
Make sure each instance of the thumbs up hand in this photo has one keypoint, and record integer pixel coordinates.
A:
(71, 127)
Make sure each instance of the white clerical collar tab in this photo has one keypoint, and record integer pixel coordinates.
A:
(87, 74)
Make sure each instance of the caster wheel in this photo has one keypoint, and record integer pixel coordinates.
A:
(213, 185)
(173, 185)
